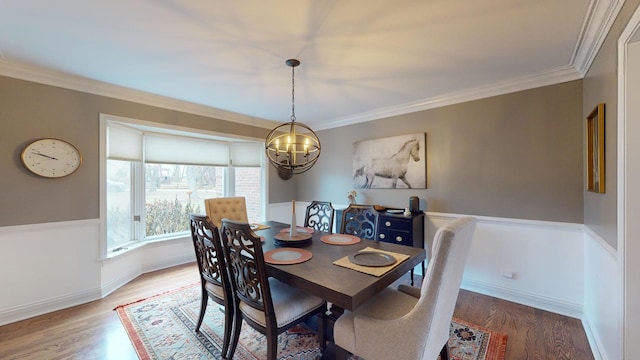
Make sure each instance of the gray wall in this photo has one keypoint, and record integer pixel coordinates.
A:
(600, 85)
(518, 155)
(29, 111)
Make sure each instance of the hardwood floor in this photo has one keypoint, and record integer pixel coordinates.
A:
(93, 330)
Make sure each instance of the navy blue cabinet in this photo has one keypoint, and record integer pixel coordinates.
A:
(401, 229)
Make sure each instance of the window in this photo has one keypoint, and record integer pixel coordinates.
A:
(172, 192)
(154, 179)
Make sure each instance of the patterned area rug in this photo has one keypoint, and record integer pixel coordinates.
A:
(162, 327)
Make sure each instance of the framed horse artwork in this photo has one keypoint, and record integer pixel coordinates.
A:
(397, 162)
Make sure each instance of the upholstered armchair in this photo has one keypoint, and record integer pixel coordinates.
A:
(232, 208)
(412, 323)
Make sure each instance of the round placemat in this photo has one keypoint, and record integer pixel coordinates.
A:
(340, 239)
(287, 256)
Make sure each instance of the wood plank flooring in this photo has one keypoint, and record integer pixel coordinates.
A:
(93, 330)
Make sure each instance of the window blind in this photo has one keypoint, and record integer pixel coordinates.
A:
(246, 154)
(124, 143)
(171, 149)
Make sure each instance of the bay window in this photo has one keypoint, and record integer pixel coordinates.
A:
(155, 178)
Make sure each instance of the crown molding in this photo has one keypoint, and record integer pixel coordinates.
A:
(78, 83)
(551, 77)
(596, 25)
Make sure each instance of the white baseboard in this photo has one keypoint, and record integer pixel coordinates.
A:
(167, 263)
(45, 306)
(115, 284)
(594, 341)
(521, 297)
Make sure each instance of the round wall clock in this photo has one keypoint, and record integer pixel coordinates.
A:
(51, 158)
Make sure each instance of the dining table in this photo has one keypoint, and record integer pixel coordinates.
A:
(343, 287)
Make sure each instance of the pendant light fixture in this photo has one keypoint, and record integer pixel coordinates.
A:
(292, 148)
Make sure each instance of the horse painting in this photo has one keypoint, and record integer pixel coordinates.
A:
(393, 167)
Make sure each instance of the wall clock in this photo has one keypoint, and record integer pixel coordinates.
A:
(51, 158)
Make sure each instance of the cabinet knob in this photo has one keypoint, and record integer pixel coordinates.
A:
(399, 238)
(381, 236)
(388, 223)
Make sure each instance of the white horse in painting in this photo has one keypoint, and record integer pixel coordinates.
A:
(393, 167)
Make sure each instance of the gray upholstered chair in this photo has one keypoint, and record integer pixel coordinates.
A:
(359, 220)
(232, 208)
(412, 323)
(319, 216)
(213, 273)
(266, 304)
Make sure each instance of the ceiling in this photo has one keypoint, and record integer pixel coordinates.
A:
(361, 59)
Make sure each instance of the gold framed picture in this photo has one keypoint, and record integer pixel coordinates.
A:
(595, 150)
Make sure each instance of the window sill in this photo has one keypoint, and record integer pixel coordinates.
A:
(124, 249)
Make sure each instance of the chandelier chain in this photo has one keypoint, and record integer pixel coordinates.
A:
(293, 93)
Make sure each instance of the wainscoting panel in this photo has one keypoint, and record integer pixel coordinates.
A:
(601, 313)
(48, 267)
(535, 263)
(63, 259)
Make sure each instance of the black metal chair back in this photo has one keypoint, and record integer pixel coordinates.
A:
(319, 216)
(213, 272)
(360, 220)
(256, 293)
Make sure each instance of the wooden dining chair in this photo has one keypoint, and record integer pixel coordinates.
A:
(319, 216)
(232, 208)
(410, 322)
(213, 273)
(359, 220)
(266, 304)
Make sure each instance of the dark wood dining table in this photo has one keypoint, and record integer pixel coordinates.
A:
(343, 287)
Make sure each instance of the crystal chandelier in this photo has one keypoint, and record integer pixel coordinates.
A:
(292, 147)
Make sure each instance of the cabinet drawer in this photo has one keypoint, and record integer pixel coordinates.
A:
(395, 237)
(388, 222)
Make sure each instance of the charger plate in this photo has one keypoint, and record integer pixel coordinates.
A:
(287, 256)
(372, 258)
(299, 229)
(340, 239)
(298, 240)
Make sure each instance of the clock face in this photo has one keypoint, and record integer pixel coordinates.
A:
(51, 158)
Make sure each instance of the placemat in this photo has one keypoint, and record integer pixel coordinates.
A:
(339, 239)
(371, 270)
(259, 226)
(287, 256)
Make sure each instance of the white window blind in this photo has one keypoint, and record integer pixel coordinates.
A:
(123, 143)
(246, 154)
(170, 149)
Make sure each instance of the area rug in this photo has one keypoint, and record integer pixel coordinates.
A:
(162, 327)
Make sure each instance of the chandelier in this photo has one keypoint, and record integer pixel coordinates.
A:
(292, 147)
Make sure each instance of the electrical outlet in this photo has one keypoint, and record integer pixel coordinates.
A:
(506, 273)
